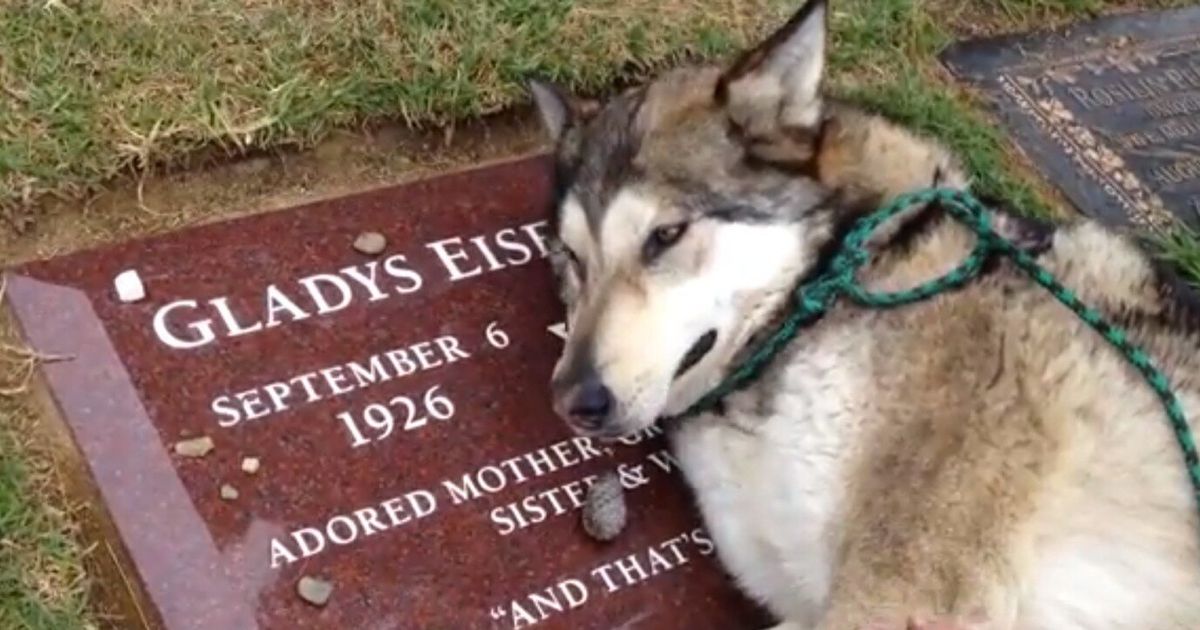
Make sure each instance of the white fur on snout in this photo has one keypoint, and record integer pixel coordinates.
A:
(751, 268)
(651, 317)
(574, 233)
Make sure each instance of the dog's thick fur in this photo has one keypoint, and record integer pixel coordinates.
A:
(982, 452)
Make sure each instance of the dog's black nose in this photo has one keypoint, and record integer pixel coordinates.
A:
(590, 404)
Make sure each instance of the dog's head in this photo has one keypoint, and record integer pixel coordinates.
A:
(686, 210)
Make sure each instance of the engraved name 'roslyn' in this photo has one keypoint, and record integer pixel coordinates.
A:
(188, 323)
(1141, 88)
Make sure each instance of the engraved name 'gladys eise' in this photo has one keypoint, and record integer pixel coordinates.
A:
(190, 323)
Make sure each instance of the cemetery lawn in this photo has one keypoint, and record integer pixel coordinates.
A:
(42, 583)
(91, 91)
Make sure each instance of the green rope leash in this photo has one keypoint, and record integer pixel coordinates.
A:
(816, 297)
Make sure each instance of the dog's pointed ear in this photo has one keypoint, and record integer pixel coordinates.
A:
(557, 108)
(777, 84)
(552, 104)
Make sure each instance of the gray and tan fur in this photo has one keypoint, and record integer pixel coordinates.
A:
(981, 454)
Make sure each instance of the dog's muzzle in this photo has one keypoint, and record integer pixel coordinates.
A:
(586, 405)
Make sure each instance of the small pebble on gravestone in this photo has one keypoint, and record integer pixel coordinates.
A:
(314, 591)
(370, 243)
(604, 513)
(228, 492)
(129, 286)
(195, 447)
(250, 465)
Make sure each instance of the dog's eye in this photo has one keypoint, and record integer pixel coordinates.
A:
(663, 237)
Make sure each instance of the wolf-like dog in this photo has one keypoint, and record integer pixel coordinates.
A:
(982, 454)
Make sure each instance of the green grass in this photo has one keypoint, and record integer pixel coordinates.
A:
(93, 88)
(883, 56)
(912, 100)
(42, 582)
(1182, 248)
(90, 90)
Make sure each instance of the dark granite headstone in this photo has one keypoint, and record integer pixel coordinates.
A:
(1109, 110)
(397, 405)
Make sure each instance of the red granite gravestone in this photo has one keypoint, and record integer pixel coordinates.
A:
(396, 405)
